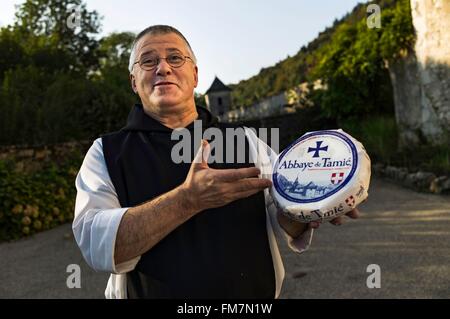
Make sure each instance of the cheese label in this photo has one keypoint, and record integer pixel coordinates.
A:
(315, 167)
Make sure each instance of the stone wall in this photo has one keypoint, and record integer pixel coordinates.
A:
(292, 126)
(31, 159)
(431, 19)
(421, 80)
(407, 96)
(420, 180)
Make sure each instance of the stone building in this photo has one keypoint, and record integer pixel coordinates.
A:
(218, 98)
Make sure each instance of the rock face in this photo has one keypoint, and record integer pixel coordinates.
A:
(431, 19)
(407, 99)
(421, 80)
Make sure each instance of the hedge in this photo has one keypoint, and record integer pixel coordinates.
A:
(31, 202)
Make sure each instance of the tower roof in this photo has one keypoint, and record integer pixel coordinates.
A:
(217, 86)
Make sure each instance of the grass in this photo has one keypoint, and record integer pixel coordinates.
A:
(379, 136)
(435, 159)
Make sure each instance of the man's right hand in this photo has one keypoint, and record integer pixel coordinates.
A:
(206, 187)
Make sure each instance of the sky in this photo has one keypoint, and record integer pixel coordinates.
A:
(232, 39)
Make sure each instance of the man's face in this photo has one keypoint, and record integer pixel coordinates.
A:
(164, 86)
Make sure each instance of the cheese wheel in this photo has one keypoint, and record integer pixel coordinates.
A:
(322, 175)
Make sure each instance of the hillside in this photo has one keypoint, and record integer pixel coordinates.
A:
(296, 69)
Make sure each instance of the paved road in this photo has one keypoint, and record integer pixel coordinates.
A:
(406, 233)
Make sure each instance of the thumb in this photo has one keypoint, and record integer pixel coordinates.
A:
(201, 158)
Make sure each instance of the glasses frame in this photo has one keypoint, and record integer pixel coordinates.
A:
(185, 57)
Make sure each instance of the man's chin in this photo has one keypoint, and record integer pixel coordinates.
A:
(166, 102)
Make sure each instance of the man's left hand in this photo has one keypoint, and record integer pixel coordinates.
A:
(353, 214)
(295, 228)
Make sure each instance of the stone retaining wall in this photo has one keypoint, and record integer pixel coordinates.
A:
(31, 159)
(420, 181)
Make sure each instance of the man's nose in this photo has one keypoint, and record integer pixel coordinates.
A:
(163, 68)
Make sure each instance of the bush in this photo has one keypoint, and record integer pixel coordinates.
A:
(353, 64)
(378, 135)
(428, 158)
(30, 203)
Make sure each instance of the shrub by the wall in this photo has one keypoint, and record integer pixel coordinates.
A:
(31, 202)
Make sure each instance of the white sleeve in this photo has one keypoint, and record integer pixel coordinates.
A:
(264, 158)
(98, 214)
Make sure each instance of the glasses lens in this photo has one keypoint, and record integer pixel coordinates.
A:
(175, 60)
(148, 62)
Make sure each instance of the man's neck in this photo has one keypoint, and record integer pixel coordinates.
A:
(173, 118)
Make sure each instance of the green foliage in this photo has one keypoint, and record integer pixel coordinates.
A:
(115, 50)
(30, 203)
(349, 58)
(289, 72)
(398, 32)
(378, 134)
(42, 24)
(353, 64)
(199, 99)
(23, 91)
(56, 84)
(38, 107)
(59, 84)
(12, 53)
(426, 158)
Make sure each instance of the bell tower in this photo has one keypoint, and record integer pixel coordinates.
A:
(218, 98)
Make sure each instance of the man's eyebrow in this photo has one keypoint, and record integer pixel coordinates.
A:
(148, 52)
(173, 50)
(167, 50)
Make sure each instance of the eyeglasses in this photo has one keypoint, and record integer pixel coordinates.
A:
(175, 60)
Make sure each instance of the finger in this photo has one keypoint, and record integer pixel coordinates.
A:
(206, 151)
(232, 175)
(201, 158)
(246, 184)
(244, 194)
(337, 221)
(354, 214)
(253, 185)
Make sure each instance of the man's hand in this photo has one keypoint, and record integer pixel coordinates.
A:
(353, 214)
(206, 187)
(145, 225)
(296, 228)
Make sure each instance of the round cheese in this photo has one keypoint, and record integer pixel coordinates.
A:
(322, 175)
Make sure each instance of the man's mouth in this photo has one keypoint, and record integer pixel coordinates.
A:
(164, 83)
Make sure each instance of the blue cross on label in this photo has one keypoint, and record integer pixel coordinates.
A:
(317, 149)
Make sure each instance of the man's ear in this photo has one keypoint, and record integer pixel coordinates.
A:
(133, 83)
(195, 76)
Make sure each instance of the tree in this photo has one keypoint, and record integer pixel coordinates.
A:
(115, 49)
(353, 64)
(59, 83)
(43, 24)
(11, 51)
